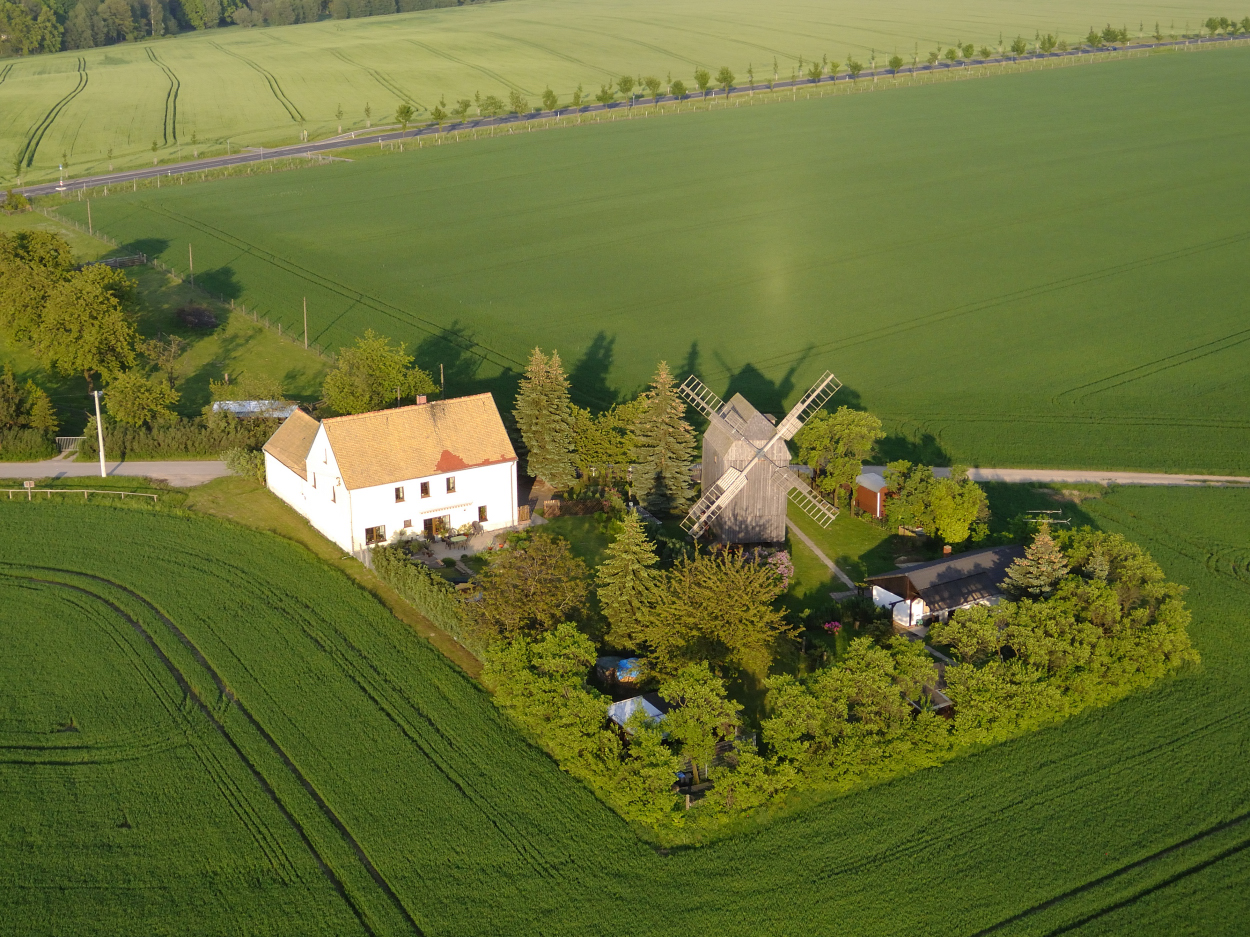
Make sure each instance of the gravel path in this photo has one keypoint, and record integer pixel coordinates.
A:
(183, 474)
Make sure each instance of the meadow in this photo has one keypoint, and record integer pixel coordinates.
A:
(128, 104)
(307, 722)
(1038, 269)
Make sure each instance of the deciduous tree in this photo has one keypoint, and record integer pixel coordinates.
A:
(133, 398)
(373, 375)
(834, 445)
(702, 78)
(703, 715)
(550, 100)
(725, 78)
(87, 327)
(530, 588)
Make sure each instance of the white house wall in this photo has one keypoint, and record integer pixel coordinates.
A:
(491, 486)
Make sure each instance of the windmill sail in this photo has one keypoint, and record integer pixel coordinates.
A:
(714, 501)
(809, 403)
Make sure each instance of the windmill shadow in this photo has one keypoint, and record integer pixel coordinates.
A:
(452, 348)
(918, 448)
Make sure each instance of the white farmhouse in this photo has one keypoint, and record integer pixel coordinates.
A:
(432, 467)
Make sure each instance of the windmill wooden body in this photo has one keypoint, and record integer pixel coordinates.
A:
(747, 478)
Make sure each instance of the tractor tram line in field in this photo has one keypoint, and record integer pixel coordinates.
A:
(274, 87)
(366, 919)
(27, 153)
(169, 129)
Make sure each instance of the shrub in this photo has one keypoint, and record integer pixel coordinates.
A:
(25, 445)
(204, 437)
(248, 462)
(430, 594)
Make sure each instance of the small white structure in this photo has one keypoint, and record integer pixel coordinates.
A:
(652, 705)
(277, 409)
(432, 468)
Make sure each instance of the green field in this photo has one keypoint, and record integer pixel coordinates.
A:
(168, 812)
(263, 87)
(1042, 269)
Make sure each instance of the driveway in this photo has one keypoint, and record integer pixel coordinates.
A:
(183, 474)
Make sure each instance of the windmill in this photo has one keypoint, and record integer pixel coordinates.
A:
(747, 477)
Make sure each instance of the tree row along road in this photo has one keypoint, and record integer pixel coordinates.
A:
(346, 141)
(192, 472)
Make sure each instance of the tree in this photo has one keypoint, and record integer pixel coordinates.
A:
(703, 715)
(1040, 570)
(461, 109)
(490, 106)
(368, 113)
(373, 375)
(606, 95)
(854, 68)
(717, 609)
(578, 96)
(678, 90)
(725, 78)
(955, 503)
(87, 327)
(896, 62)
(12, 407)
(607, 439)
(530, 588)
(626, 85)
(951, 55)
(438, 114)
(815, 71)
(32, 263)
(403, 116)
(164, 354)
(544, 415)
(518, 103)
(625, 581)
(834, 445)
(550, 100)
(702, 78)
(133, 398)
(653, 85)
(665, 447)
(1019, 47)
(42, 415)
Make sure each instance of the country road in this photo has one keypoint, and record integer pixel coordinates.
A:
(181, 474)
(1086, 476)
(327, 147)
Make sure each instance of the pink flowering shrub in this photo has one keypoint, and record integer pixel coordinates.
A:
(780, 561)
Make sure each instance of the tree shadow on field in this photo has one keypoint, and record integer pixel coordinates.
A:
(454, 350)
(150, 247)
(588, 379)
(919, 448)
(221, 282)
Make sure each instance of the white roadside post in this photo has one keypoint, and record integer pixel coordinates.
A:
(99, 429)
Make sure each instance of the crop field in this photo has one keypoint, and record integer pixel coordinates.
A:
(204, 730)
(105, 106)
(1042, 269)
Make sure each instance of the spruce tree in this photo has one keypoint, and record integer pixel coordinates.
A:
(665, 448)
(1041, 568)
(545, 417)
(625, 581)
(42, 413)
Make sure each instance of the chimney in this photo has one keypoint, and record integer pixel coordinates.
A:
(420, 398)
(946, 550)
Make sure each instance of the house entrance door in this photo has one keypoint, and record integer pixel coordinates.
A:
(437, 526)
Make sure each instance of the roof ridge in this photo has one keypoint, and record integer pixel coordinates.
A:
(410, 406)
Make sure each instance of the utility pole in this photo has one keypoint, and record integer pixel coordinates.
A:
(90, 228)
(99, 430)
(191, 264)
(442, 384)
(305, 323)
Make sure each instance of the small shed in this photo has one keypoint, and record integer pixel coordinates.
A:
(870, 492)
(654, 705)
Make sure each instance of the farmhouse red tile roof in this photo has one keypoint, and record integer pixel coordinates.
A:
(292, 440)
(386, 446)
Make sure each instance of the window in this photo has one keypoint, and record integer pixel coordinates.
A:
(375, 534)
(481, 513)
(407, 524)
(451, 484)
(437, 526)
(325, 455)
(399, 494)
(314, 479)
(425, 489)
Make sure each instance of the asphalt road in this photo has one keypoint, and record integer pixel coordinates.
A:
(346, 141)
(1079, 476)
(182, 474)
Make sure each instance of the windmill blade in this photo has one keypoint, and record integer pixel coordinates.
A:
(801, 494)
(703, 399)
(714, 500)
(813, 400)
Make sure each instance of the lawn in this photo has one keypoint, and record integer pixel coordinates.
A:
(1006, 293)
(238, 346)
(1129, 819)
(263, 87)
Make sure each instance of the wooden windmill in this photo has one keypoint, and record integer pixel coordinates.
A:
(747, 478)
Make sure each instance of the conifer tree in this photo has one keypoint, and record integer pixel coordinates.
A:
(665, 448)
(545, 417)
(625, 581)
(42, 413)
(1041, 568)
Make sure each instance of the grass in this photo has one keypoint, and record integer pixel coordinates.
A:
(1001, 295)
(231, 82)
(588, 537)
(1128, 819)
(238, 346)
